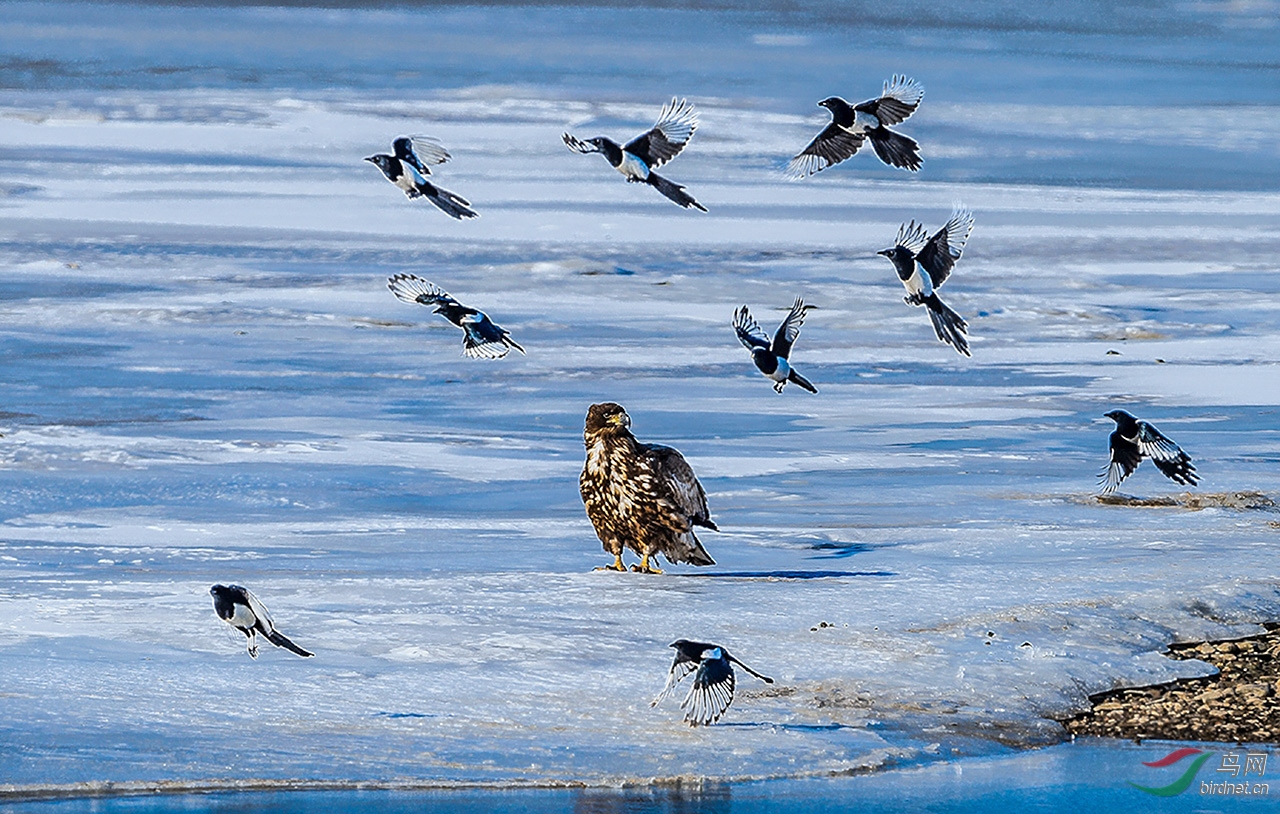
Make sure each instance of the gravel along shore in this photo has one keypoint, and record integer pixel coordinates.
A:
(1241, 704)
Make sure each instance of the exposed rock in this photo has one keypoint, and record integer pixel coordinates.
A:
(1239, 704)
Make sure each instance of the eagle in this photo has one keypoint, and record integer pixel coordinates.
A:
(644, 497)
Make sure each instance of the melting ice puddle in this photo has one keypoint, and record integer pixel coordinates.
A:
(1089, 775)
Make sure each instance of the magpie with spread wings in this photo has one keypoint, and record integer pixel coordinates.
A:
(772, 359)
(713, 680)
(851, 125)
(638, 158)
(407, 169)
(481, 337)
(924, 263)
(1131, 441)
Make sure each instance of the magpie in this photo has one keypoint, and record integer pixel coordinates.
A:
(638, 159)
(923, 265)
(713, 681)
(407, 170)
(1134, 440)
(242, 610)
(481, 339)
(772, 360)
(852, 124)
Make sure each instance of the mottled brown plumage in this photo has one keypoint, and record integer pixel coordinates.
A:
(640, 496)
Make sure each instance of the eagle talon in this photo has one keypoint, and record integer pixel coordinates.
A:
(616, 566)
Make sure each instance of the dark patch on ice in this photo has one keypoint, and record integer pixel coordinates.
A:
(404, 715)
(790, 574)
(839, 550)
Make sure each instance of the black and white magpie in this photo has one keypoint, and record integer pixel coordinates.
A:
(408, 170)
(773, 359)
(638, 158)
(852, 124)
(1131, 441)
(713, 680)
(923, 264)
(242, 610)
(481, 339)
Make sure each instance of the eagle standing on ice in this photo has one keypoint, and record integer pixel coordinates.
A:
(644, 497)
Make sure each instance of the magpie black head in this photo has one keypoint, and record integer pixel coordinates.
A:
(607, 417)
(1121, 418)
(386, 163)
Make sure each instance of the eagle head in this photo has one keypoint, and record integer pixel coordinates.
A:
(606, 418)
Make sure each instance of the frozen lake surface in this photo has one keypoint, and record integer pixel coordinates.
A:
(206, 380)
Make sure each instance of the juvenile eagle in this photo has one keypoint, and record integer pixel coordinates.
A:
(640, 496)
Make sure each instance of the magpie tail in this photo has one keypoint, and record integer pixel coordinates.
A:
(280, 640)
(947, 324)
(802, 381)
(763, 678)
(1180, 470)
(455, 206)
(507, 340)
(895, 149)
(673, 191)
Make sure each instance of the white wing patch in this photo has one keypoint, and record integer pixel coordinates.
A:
(958, 230)
(904, 89)
(259, 610)
(408, 287)
(912, 237)
(677, 121)
(429, 150)
(748, 330)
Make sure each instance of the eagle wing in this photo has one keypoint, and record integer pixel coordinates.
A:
(668, 136)
(677, 484)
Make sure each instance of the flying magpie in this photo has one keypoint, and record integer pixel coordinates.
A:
(481, 339)
(772, 360)
(242, 610)
(713, 681)
(852, 124)
(923, 265)
(1134, 440)
(407, 170)
(638, 159)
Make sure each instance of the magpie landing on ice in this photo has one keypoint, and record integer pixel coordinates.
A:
(772, 359)
(923, 265)
(1134, 440)
(713, 680)
(242, 610)
(638, 158)
(852, 124)
(407, 169)
(482, 339)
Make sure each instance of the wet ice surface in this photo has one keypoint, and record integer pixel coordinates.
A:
(206, 380)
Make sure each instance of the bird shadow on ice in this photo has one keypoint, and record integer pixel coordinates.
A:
(831, 727)
(788, 574)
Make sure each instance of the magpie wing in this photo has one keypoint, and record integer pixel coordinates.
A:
(789, 329)
(679, 669)
(711, 693)
(1125, 457)
(748, 330)
(1166, 455)
(412, 288)
(259, 610)
(668, 136)
(420, 151)
(939, 254)
(833, 145)
(899, 99)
